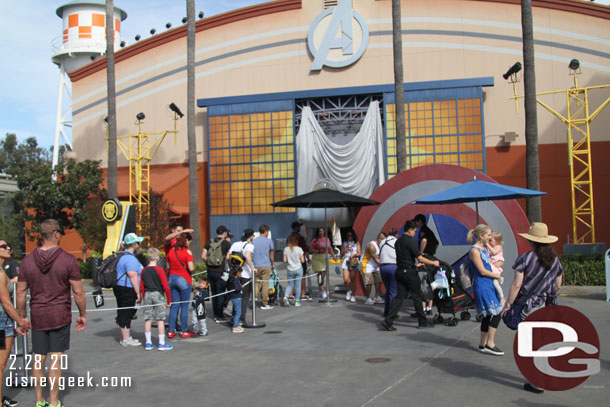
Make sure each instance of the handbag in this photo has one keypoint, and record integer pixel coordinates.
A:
(512, 317)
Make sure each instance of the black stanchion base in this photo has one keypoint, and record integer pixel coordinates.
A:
(256, 325)
(327, 300)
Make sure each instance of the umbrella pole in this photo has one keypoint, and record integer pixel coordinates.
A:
(476, 205)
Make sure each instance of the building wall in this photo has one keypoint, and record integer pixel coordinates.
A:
(262, 49)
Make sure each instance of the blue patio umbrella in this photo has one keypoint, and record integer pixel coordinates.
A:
(476, 191)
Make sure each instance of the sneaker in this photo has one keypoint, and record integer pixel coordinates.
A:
(41, 403)
(220, 320)
(306, 298)
(286, 302)
(297, 304)
(388, 326)
(324, 294)
(241, 323)
(171, 334)
(187, 335)
(353, 299)
(56, 405)
(493, 351)
(165, 346)
(131, 342)
(532, 388)
(148, 346)
(265, 307)
(201, 333)
(238, 330)
(348, 296)
(6, 402)
(379, 300)
(481, 348)
(369, 301)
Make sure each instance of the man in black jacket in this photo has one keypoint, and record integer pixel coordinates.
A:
(407, 257)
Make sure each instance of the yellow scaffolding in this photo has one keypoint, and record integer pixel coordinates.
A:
(578, 121)
(139, 149)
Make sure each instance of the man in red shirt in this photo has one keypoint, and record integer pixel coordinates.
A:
(50, 273)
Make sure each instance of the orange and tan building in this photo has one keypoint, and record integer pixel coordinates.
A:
(257, 67)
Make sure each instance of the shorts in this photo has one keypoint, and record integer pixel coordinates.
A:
(53, 340)
(6, 324)
(371, 278)
(156, 312)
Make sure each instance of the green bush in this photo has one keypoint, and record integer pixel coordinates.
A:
(200, 268)
(85, 268)
(583, 269)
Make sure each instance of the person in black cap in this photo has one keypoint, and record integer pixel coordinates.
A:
(214, 254)
(246, 248)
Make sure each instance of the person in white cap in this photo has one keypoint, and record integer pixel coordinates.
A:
(538, 270)
(127, 288)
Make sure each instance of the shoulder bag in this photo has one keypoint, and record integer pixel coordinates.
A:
(512, 318)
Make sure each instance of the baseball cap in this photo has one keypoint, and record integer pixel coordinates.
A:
(247, 233)
(132, 238)
(296, 224)
(221, 229)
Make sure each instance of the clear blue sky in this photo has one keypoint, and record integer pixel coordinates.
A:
(28, 78)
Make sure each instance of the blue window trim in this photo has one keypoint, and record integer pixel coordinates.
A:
(356, 90)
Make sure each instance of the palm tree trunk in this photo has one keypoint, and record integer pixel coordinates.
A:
(532, 163)
(399, 90)
(192, 141)
(112, 145)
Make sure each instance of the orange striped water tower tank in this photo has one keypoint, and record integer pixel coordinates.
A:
(83, 37)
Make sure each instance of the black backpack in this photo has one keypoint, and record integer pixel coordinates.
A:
(237, 258)
(215, 257)
(106, 275)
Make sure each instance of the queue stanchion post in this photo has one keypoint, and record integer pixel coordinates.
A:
(327, 301)
(254, 324)
(21, 373)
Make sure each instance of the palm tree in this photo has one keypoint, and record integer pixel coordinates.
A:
(399, 90)
(190, 118)
(532, 164)
(112, 145)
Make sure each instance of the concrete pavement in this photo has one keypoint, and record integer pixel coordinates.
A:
(319, 355)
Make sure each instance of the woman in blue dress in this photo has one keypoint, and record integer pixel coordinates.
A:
(485, 296)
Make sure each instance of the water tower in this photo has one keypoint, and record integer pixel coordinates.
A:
(82, 41)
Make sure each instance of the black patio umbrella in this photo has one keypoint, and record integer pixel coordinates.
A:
(325, 198)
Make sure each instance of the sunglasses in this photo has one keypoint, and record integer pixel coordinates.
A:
(5, 246)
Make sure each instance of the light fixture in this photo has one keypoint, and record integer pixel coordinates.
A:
(168, 25)
(92, 57)
(175, 109)
(137, 37)
(123, 44)
(574, 64)
(140, 116)
(512, 70)
(152, 31)
(184, 20)
(201, 14)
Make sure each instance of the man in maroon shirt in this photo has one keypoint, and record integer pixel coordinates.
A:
(49, 273)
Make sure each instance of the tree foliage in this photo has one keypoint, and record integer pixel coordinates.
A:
(64, 199)
(17, 158)
(154, 226)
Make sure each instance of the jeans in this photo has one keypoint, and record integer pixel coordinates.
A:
(294, 280)
(388, 272)
(181, 292)
(236, 311)
(246, 291)
(217, 285)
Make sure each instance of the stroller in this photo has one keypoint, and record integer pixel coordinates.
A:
(449, 295)
(275, 289)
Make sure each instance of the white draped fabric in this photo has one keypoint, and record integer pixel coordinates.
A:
(357, 167)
